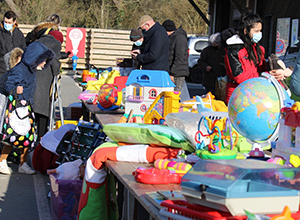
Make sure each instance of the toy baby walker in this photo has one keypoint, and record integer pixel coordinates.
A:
(216, 132)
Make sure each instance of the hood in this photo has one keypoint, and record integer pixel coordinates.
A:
(35, 54)
(235, 39)
(178, 31)
(44, 25)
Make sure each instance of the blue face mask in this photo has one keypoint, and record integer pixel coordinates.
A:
(257, 37)
(8, 27)
(138, 43)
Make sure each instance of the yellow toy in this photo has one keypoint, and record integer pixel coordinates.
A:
(105, 78)
(165, 103)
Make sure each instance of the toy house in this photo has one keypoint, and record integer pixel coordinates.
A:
(289, 134)
(142, 88)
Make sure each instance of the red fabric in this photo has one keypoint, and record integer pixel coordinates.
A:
(249, 70)
(57, 35)
(43, 159)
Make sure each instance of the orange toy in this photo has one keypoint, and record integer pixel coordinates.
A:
(285, 215)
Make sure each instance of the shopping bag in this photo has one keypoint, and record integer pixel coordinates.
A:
(18, 123)
(220, 88)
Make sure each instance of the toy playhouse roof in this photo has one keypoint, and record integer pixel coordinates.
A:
(150, 78)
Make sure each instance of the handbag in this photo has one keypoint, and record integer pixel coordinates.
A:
(19, 123)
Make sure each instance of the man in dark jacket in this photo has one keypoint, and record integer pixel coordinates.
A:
(211, 63)
(154, 55)
(10, 37)
(178, 53)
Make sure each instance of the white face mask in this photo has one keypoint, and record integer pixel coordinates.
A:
(39, 68)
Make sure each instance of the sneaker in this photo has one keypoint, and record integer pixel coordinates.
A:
(26, 169)
(4, 169)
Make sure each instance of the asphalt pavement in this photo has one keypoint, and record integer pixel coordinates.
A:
(25, 196)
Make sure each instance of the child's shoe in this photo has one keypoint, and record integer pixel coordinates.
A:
(25, 169)
(4, 169)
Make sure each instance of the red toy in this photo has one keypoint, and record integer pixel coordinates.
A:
(156, 176)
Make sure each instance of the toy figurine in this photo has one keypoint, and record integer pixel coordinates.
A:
(74, 61)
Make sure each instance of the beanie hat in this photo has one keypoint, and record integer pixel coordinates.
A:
(215, 38)
(135, 34)
(57, 35)
(169, 25)
(144, 19)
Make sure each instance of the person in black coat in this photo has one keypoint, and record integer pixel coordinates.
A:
(211, 63)
(154, 55)
(178, 53)
(44, 80)
(10, 37)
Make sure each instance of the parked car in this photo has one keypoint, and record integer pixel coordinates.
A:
(195, 46)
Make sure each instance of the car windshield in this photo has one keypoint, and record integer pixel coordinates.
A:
(200, 45)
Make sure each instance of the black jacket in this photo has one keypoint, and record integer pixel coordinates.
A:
(213, 57)
(44, 78)
(178, 53)
(154, 55)
(8, 41)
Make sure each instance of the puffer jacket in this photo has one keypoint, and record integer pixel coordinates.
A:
(24, 73)
(238, 67)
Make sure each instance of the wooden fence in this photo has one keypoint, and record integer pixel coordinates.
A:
(102, 47)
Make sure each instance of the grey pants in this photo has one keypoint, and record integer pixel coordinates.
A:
(178, 81)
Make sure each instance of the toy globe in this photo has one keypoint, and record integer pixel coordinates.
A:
(254, 108)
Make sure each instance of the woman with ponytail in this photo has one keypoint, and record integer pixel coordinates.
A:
(244, 58)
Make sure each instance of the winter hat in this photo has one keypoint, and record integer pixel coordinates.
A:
(144, 19)
(215, 38)
(169, 25)
(135, 35)
(57, 35)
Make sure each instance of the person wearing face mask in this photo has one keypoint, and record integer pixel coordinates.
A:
(211, 62)
(244, 58)
(154, 54)
(178, 53)
(136, 36)
(10, 37)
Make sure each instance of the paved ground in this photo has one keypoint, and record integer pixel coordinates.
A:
(25, 196)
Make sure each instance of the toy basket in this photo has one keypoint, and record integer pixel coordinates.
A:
(64, 199)
(182, 210)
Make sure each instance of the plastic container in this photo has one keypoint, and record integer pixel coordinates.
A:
(58, 123)
(182, 210)
(85, 74)
(64, 200)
